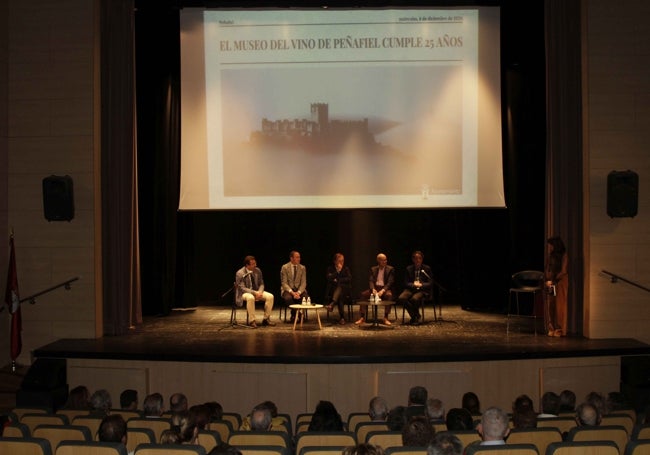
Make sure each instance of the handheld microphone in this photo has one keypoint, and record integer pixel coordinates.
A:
(424, 273)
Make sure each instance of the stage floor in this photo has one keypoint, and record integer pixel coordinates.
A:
(204, 334)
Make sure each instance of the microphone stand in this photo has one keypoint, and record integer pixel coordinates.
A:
(233, 311)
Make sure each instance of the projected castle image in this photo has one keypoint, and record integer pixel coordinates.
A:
(317, 131)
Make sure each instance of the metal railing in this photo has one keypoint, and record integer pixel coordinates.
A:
(66, 284)
(614, 278)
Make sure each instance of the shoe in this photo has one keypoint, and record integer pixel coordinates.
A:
(268, 322)
(551, 333)
(557, 333)
(342, 321)
(387, 322)
(360, 321)
(252, 324)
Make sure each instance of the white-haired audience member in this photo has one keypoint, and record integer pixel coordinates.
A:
(494, 426)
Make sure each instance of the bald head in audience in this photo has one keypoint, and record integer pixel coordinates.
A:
(587, 415)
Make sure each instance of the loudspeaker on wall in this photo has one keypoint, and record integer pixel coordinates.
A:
(58, 198)
(622, 194)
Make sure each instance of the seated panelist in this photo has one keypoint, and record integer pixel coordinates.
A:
(249, 284)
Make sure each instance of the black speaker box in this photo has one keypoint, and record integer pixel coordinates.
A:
(44, 385)
(58, 200)
(635, 380)
(622, 194)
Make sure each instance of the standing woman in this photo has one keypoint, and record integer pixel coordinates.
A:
(557, 287)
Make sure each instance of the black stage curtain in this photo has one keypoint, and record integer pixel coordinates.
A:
(119, 211)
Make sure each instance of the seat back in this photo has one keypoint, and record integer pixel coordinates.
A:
(615, 433)
(404, 451)
(540, 437)
(20, 411)
(234, 418)
(90, 448)
(223, 427)
(90, 422)
(304, 418)
(169, 449)
(564, 424)
(640, 447)
(363, 428)
(288, 422)
(317, 450)
(356, 417)
(641, 432)
(208, 439)
(582, 448)
(625, 420)
(16, 430)
(57, 433)
(385, 439)
(505, 449)
(155, 425)
(325, 439)
(126, 415)
(264, 450)
(34, 420)
(527, 281)
(302, 427)
(440, 427)
(25, 446)
(467, 437)
(259, 438)
(72, 413)
(137, 436)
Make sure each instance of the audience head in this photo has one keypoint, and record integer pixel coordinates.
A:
(471, 403)
(261, 418)
(522, 403)
(434, 409)
(418, 432)
(616, 401)
(363, 449)
(494, 424)
(224, 448)
(598, 401)
(78, 398)
(153, 405)
(271, 406)
(326, 418)
(112, 429)
(177, 402)
(587, 415)
(525, 419)
(445, 443)
(170, 437)
(396, 420)
(459, 419)
(567, 401)
(551, 403)
(129, 400)
(216, 410)
(201, 415)
(184, 423)
(377, 409)
(418, 395)
(100, 402)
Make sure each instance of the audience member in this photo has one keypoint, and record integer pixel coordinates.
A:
(100, 403)
(170, 437)
(377, 409)
(567, 401)
(363, 449)
(325, 418)
(201, 415)
(260, 419)
(417, 401)
(112, 429)
(550, 405)
(418, 432)
(525, 419)
(216, 410)
(459, 419)
(616, 401)
(224, 448)
(152, 406)
(129, 400)
(445, 443)
(471, 403)
(598, 401)
(587, 415)
(184, 423)
(276, 421)
(78, 398)
(435, 411)
(522, 403)
(397, 419)
(494, 426)
(177, 402)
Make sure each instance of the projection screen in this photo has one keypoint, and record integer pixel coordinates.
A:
(386, 108)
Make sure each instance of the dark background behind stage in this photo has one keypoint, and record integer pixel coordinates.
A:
(472, 252)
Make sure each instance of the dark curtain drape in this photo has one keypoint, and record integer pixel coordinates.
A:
(119, 225)
(564, 162)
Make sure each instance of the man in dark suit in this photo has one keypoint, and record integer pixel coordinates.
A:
(380, 284)
(250, 288)
(293, 277)
(417, 287)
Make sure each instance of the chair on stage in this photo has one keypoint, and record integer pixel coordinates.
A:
(235, 307)
(582, 448)
(529, 282)
(25, 446)
(348, 301)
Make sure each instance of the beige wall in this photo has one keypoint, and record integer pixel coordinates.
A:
(50, 130)
(298, 388)
(618, 138)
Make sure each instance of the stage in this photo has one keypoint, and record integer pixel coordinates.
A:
(204, 334)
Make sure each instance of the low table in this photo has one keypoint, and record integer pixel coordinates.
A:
(300, 307)
(375, 309)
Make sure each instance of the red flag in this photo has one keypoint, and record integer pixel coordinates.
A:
(12, 299)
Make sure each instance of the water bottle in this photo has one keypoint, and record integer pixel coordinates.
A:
(372, 297)
(304, 301)
(308, 300)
